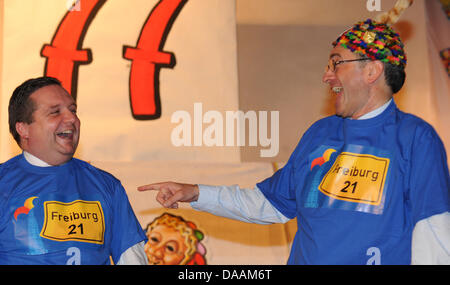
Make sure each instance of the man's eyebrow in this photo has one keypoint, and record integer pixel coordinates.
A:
(54, 106)
(334, 54)
(59, 105)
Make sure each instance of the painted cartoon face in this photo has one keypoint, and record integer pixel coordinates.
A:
(165, 246)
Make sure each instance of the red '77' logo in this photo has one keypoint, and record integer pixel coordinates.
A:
(65, 53)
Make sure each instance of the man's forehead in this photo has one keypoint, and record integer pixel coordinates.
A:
(52, 94)
(340, 52)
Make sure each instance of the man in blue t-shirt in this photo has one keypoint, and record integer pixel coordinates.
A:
(369, 185)
(55, 209)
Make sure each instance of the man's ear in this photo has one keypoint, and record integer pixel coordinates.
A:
(374, 70)
(22, 129)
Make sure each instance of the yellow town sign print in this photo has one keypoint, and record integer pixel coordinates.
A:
(356, 178)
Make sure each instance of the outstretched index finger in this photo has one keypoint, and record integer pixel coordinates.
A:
(153, 186)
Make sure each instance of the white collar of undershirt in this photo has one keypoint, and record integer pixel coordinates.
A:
(33, 160)
(376, 112)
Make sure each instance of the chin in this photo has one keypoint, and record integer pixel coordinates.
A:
(67, 150)
(338, 112)
(64, 157)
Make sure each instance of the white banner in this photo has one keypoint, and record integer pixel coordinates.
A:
(130, 65)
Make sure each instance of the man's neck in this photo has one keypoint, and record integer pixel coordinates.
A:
(33, 160)
(376, 112)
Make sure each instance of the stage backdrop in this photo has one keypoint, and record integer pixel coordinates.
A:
(131, 66)
(163, 87)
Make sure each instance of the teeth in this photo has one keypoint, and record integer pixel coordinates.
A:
(337, 89)
(65, 133)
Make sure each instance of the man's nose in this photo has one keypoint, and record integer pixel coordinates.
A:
(70, 116)
(328, 76)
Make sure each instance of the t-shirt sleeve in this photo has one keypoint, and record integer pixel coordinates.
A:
(127, 230)
(429, 178)
(279, 190)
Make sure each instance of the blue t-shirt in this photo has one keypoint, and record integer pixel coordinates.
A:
(69, 214)
(358, 187)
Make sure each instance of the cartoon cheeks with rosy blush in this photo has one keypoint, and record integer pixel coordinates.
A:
(165, 246)
(174, 241)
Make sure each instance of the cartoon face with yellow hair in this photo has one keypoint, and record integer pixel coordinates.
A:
(174, 241)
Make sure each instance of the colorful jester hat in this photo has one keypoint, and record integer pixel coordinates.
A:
(376, 39)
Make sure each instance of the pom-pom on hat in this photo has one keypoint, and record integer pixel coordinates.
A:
(376, 39)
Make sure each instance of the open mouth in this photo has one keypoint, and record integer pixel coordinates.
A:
(337, 89)
(65, 134)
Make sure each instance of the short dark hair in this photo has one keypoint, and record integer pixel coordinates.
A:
(393, 74)
(21, 107)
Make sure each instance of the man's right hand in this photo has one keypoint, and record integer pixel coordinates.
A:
(170, 193)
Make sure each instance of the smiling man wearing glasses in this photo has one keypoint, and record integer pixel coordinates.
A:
(365, 69)
(369, 185)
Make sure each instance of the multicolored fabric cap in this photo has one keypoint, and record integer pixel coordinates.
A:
(374, 40)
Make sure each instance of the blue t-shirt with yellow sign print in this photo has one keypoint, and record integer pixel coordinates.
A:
(358, 187)
(69, 214)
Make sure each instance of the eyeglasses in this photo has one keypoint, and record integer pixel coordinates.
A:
(332, 64)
